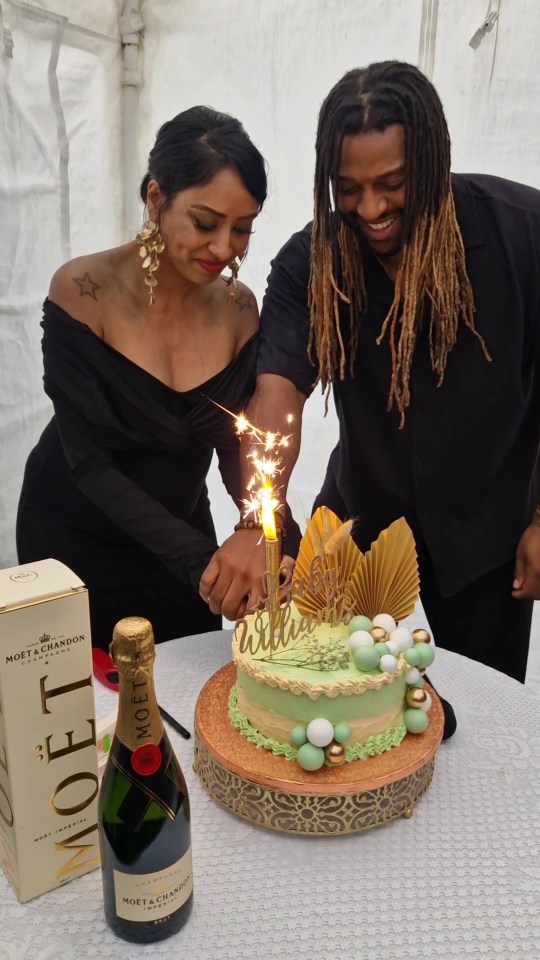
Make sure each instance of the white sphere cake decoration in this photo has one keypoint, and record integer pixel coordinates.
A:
(403, 637)
(388, 663)
(360, 638)
(426, 705)
(412, 676)
(394, 647)
(385, 621)
(320, 732)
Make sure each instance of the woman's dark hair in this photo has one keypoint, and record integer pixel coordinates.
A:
(197, 144)
(432, 269)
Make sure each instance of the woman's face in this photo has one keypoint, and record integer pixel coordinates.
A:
(206, 226)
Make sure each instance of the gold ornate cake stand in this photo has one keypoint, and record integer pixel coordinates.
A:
(273, 792)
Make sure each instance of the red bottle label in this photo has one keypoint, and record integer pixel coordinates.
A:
(147, 767)
(146, 759)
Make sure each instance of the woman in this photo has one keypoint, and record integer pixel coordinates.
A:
(138, 341)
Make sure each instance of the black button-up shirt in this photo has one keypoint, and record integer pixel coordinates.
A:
(463, 469)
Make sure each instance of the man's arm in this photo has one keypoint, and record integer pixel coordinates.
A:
(232, 581)
(527, 569)
(526, 583)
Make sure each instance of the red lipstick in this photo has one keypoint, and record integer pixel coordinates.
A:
(212, 267)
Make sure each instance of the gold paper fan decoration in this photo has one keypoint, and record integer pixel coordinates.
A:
(330, 565)
(386, 580)
(326, 548)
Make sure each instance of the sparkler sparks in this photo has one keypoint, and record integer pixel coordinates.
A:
(266, 463)
(261, 501)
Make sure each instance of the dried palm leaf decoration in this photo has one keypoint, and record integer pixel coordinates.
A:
(332, 574)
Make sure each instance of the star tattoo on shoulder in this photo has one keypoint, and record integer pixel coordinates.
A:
(87, 287)
(243, 300)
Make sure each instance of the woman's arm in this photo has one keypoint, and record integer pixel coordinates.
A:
(181, 547)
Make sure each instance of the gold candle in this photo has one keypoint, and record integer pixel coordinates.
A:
(271, 542)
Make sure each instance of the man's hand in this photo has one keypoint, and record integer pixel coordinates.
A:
(527, 570)
(232, 582)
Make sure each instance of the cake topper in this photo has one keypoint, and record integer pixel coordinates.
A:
(333, 582)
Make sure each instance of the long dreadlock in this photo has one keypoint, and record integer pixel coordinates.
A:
(432, 269)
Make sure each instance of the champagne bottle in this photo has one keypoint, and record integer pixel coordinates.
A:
(144, 818)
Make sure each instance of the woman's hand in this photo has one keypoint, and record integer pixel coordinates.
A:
(233, 580)
(232, 583)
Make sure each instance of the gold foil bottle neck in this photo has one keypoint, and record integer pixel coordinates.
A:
(132, 650)
(132, 644)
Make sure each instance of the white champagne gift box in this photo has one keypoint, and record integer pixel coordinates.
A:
(48, 757)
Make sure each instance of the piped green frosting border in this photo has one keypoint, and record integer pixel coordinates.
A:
(374, 745)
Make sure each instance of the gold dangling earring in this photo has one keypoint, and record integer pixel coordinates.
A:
(234, 267)
(151, 243)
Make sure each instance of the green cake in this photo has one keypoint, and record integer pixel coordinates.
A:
(335, 679)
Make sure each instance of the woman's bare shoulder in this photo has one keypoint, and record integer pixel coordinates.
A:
(84, 286)
(243, 299)
(243, 311)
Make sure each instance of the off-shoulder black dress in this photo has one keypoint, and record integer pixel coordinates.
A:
(116, 486)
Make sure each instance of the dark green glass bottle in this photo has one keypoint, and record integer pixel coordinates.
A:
(144, 819)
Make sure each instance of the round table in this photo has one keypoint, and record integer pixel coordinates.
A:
(460, 879)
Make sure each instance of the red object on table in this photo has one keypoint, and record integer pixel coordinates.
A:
(104, 669)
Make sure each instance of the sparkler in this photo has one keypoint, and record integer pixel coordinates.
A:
(266, 464)
(271, 544)
(265, 460)
(261, 501)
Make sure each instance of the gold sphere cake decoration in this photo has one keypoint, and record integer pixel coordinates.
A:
(335, 753)
(416, 697)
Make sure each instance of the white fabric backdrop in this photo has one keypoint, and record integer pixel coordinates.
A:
(270, 63)
(60, 196)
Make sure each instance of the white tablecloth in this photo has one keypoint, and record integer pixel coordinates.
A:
(460, 879)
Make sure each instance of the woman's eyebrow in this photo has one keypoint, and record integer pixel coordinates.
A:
(216, 213)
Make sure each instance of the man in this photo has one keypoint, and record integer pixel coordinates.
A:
(416, 295)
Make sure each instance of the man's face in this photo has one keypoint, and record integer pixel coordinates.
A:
(370, 190)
